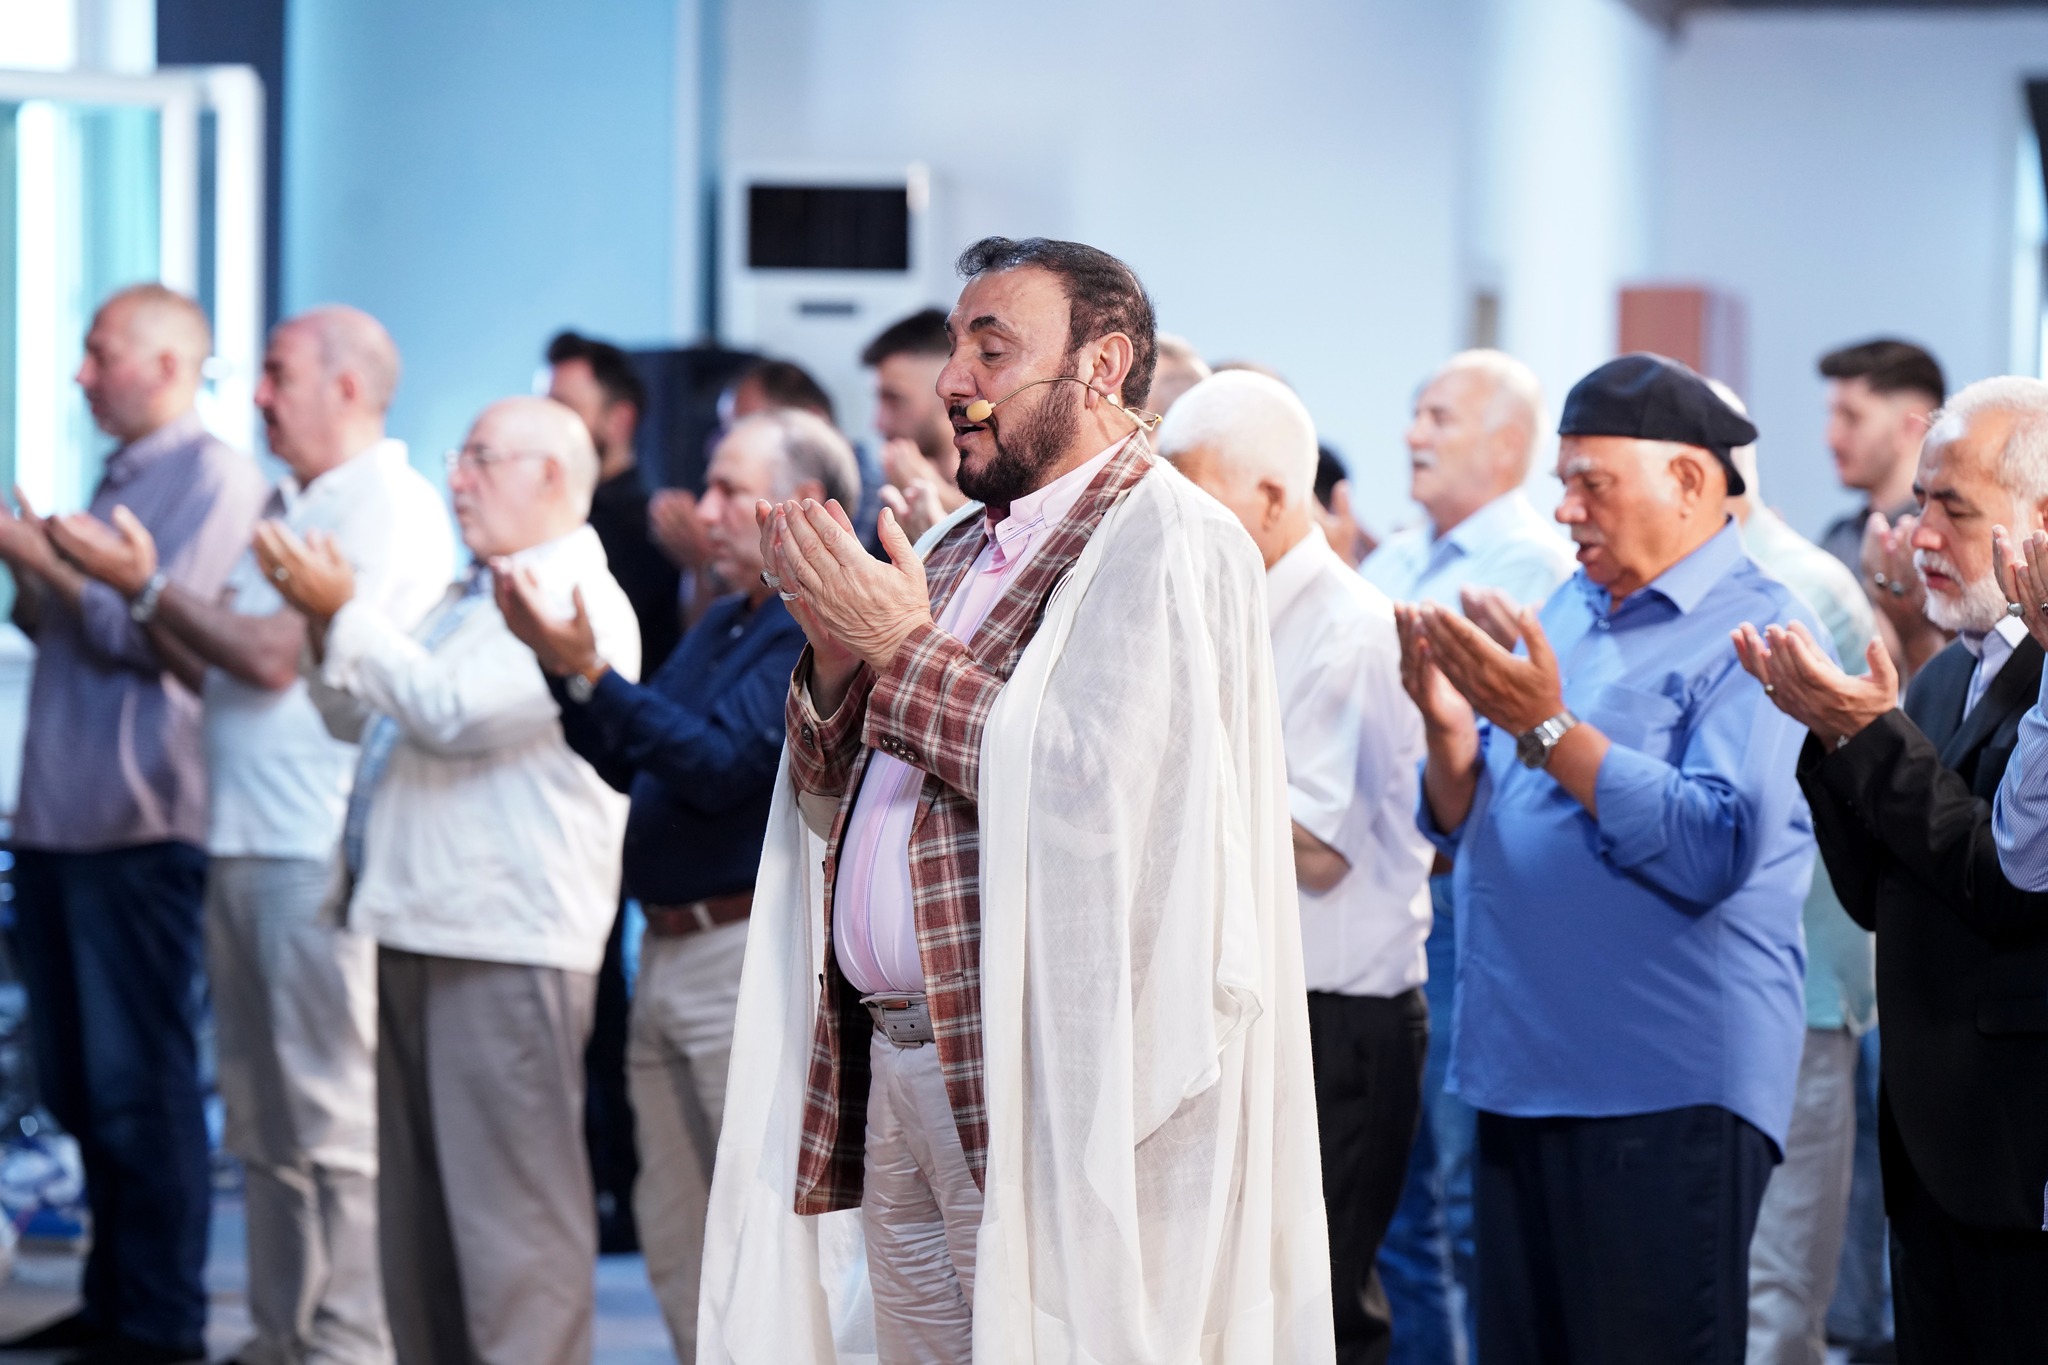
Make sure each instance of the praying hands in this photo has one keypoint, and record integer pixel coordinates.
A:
(1806, 685)
(309, 574)
(121, 555)
(853, 608)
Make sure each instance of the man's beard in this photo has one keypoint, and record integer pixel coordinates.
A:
(1027, 445)
(1979, 606)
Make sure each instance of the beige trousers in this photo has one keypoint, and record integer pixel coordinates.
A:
(679, 1043)
(1798, 1243)
(295, 1007)
(922, 1212)
(489, 1220)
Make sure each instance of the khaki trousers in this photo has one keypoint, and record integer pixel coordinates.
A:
(679, 1043)
(1798, 1244)
(295, 1004)
(489, 1221)
(921, 1209)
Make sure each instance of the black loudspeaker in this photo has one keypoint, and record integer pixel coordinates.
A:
(681, 422)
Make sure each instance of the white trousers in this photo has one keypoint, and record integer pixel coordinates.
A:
(679, 1044)
(922, 1211)
(295, 1005)
(1798, 1244)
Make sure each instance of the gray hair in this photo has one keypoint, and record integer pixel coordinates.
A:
(813, 449)
(2023, 464)
(1253, 424)
(1517, 395)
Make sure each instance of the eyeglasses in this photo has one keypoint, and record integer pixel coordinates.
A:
(483, 457)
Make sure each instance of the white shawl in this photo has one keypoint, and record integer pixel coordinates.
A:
(1153, 1186)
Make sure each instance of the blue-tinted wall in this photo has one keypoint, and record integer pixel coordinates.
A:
(479, 173)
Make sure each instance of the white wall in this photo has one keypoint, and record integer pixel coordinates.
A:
(1848, 175)
(1287, 180)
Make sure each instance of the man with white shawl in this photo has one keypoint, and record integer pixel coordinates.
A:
(1025, 980)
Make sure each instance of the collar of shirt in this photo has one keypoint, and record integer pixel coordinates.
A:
(1683, 585)
(138, 455)
(350, 476)
(1484, 526)
(1992, 647)
(1012, 537)
(1292, 572)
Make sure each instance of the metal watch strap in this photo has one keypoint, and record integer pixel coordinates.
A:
(143, 606)
(1535, 746)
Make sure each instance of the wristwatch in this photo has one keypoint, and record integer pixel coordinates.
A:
(581, 686)
(143, 605)
(1535, 746)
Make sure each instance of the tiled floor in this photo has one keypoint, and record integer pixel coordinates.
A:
(45, 1286)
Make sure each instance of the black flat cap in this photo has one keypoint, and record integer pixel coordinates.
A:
(1655, 398)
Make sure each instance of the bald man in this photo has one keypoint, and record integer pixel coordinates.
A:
(485, 857)
(294, 991)
(1353, 742)
(111, 830)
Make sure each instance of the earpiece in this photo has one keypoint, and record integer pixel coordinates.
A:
(980, 410)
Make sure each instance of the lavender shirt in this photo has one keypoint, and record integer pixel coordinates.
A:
(113, 756)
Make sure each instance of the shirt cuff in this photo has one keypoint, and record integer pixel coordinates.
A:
(104, 615)
(1445, 841)
(1629, 791)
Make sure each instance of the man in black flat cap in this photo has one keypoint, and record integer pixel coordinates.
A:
(1632, 855)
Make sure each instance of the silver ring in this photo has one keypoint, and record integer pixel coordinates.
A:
(2015, 609)
(785, 596)
(2044, 608)
(1879, 578)
(281, 574)
(1898, 588)
(1770, 690)
(769, 580)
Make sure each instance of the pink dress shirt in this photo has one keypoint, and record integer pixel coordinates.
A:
(874, 924)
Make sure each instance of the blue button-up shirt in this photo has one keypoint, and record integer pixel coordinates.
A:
(697, 747)
(1648, 958)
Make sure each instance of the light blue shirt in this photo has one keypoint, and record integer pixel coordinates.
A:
(1648, 959)
(1506, 544)
(1841, 956)
(2019, 816)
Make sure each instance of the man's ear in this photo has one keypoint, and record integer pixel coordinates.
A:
(1274, 496)
(1689, 469)
(1110, 364)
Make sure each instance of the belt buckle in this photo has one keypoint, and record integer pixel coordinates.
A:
(905, 1020)
(702, 914)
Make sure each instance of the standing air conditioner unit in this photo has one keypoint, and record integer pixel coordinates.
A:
(815, 263)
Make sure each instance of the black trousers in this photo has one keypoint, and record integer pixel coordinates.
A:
(607, 1110)
(1959, 1293)
(1368, 1052)
(1617, 1241)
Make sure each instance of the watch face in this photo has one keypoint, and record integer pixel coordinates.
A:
(1531, 749)
(578, 687)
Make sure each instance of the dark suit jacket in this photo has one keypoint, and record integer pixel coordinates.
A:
(1903, 815)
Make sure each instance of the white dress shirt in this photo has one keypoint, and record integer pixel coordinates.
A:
(874, 918)
(279, 780)
(488, 837)
(1506, 544)
(1354, 749)
(1991, 649)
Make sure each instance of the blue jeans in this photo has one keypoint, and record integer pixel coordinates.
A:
(1426, 1260)
(109, 947)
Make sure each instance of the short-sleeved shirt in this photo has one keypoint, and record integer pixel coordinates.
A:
(1507, 544)
(113, 756)
(280, 780)
(1353, 741)
(1649, 957)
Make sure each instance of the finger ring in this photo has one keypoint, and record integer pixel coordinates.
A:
(785, 596)
(2015, 609)
(2044, 608)
(1898, 588)
(281, 573)
(1770, 689)
(769, 580)
(1879, 578)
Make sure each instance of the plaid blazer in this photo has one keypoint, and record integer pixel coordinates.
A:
(928, 710)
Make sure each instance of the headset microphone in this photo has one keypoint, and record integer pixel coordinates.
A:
(980, 410)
